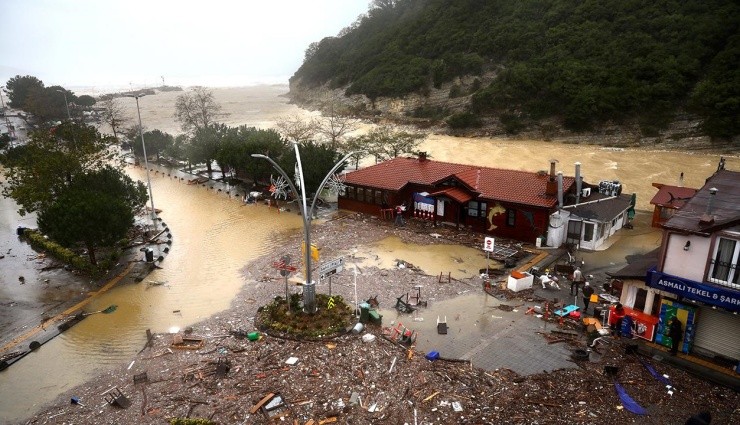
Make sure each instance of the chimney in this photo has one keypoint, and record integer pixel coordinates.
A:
(422, 156)
(551, 188)
(579, 183)
(560, 189)
(680, 180)
(707, 217)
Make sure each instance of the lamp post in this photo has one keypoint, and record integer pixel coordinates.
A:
(66, 105)
(309, 287)
(146, 160)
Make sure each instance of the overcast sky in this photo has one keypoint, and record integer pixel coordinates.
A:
(116, 43)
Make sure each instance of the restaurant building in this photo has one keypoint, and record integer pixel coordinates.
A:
(507, 203)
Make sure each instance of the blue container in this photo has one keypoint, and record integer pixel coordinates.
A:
(432, 355)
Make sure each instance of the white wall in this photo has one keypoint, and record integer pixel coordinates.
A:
(689, 264)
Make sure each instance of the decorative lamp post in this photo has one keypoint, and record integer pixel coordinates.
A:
(146, 160)
(309, 287)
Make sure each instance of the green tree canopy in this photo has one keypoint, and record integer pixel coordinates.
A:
(39, 171)
(96, 209)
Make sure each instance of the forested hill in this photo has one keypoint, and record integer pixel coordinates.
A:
(580, 62)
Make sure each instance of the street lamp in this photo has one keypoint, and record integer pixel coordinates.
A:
(146, 161)
(64, 92)
(309, 287)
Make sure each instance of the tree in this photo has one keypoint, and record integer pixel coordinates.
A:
(385, 143)
(334, 125)
(85, 100)
(114, 114)
(296, 129)
(358, 145)
(39, 171)
(196, 109)
(96, 209)
(205, 144)
(19, 88)
(317, 160)
(156, 141)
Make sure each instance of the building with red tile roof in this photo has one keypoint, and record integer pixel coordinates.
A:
(668, 200)
(508, 203)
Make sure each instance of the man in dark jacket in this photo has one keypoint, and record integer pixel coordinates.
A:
(675, 332)
(587, 292)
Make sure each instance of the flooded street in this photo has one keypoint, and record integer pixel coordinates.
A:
(215, 236)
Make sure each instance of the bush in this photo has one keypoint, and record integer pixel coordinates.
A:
(65, 255)
(464, 120)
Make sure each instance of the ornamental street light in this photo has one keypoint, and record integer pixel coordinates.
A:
(146, 161)
(309, 287)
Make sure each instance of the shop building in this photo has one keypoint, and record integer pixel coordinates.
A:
(668, 200)
(696, 277)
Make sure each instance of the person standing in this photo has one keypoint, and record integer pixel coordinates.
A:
(675, 331)
(587, 292)
(577, 277)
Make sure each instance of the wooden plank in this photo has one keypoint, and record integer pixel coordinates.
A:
(260, 403)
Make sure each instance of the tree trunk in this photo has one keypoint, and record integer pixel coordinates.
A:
(208, 167)
(91, 253)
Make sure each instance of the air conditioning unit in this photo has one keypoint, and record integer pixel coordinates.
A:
(586, 192)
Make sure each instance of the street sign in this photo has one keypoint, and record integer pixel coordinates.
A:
(488, 244)
(331, 267)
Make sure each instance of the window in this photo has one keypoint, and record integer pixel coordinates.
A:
(510, 217)
(588, 232)
(378, 197)
(350, 193)
(473, 208)
(361, 194)
(724, 263)
(666, 213)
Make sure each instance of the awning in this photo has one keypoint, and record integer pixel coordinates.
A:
(455, 193)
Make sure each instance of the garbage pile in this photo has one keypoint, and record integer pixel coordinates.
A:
(357, 380)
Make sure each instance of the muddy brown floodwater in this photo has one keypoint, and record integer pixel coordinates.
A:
(215, 236)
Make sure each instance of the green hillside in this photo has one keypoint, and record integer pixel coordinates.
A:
(583, 62)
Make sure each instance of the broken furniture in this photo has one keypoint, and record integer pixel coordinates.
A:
(187, 342)
(222, 367)
(273, 406)
(414, 299)
(400, 334)
(565, 311)
(442, 326)
(116, 398)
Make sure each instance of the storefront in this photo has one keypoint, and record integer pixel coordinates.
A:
(718, 332)
(712, 324)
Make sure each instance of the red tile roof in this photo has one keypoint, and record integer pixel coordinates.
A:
(672, 196)
(519, 187)
(459, 195)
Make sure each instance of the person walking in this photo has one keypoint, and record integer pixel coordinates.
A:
(587, 292)
(675, 331)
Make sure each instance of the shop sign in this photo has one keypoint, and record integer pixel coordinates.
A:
(697, 291)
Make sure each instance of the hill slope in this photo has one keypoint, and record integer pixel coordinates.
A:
(582, 63)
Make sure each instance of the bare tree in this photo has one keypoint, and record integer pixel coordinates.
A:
(114, 114)
(385, 143)
(295, 129)
(334, 126)
(196, 109)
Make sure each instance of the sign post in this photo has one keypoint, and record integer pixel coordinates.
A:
(331, 267)
(285, 269)
(488, 245)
